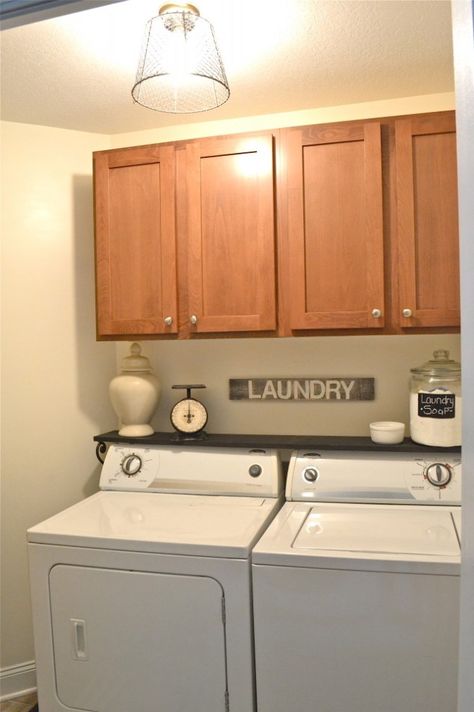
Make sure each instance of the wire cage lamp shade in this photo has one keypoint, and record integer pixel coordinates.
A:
(180, 69)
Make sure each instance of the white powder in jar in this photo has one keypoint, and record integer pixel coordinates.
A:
(443, 432)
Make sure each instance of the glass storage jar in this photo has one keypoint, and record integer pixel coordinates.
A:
(435, 401)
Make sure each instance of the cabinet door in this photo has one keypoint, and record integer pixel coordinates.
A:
(427, 221)
(231, 251)
(135, 241)
(335, 226)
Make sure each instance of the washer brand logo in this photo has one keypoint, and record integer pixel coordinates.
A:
(302, 389)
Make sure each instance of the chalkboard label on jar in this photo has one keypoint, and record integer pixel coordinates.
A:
(436, 405)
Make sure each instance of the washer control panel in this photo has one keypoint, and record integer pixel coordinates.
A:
(338, 476)
(436, 479)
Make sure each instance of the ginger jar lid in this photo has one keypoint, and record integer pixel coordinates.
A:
(136, 362)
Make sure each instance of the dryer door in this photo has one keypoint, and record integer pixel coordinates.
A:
(130, 640)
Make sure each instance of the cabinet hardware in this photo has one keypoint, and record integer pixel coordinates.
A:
(407, 313)
(193, 319)
(168, 320)
(376, 313)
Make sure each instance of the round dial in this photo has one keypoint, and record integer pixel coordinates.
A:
(188, 416)
(131, 464)
(310, 474)
(439, 474)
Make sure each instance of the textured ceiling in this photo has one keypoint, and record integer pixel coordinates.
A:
(76, 71)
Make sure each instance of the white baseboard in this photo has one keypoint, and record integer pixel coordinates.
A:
(17, 680)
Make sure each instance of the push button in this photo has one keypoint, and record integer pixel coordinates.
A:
(255, 470)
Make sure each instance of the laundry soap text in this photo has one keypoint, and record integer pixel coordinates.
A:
(302, 389)
(435, 405)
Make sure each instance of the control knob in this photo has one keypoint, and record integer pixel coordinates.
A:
(131, 465)
(439, 474)
(310, 474)
(255, 470)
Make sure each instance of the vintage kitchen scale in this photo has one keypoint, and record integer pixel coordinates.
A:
(189, 416)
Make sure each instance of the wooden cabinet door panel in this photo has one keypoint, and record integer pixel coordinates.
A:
(231, 252)
(135, 241)
(335, 226)
(427, 221)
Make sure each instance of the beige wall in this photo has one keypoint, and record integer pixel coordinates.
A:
(349, 112)
(387, 358)
(54, 374)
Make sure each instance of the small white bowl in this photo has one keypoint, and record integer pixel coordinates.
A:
(387, 432)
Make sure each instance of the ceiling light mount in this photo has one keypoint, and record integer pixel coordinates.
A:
(180, 69)
(174, 21)
(178, 7)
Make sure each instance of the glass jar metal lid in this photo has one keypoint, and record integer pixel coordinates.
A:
(439, 365)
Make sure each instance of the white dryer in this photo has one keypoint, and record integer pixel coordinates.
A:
(356, 586)
(141, 593)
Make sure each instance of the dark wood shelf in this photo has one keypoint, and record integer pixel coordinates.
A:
(278, 442)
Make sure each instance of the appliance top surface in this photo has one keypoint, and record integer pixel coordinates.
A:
(379, 530)
(254, 472)
(421, 539)
(331, 476)
(160, 523)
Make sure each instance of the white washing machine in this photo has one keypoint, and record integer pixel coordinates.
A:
(142, 592)
(356, 586)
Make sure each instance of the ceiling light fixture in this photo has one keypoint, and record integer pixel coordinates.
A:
(180, 69)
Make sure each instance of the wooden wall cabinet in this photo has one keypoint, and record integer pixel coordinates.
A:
(188, 226)
(366, 213)
(335, 241)
(427, 222)
(135, 239)
(369, 227)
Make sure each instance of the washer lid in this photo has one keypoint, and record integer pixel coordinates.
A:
(160, 523)
(457, 521)
(378, 530)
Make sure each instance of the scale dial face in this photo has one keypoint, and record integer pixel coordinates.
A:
(188, 416)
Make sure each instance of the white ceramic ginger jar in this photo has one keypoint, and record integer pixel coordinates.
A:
(134, 394)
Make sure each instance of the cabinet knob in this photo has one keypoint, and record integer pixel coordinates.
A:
(376, 313)
(168, 320)
(407, 313)
(193, 319)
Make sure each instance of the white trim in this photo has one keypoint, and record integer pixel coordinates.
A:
(463, 42)
(17, 680)
(23, 13)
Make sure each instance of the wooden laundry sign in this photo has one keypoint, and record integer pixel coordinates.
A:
(303, 389)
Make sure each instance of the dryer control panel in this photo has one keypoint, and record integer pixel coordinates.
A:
(331, 476)
(129, 468)
(219, 471)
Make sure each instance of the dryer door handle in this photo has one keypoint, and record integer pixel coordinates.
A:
(79, 640)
